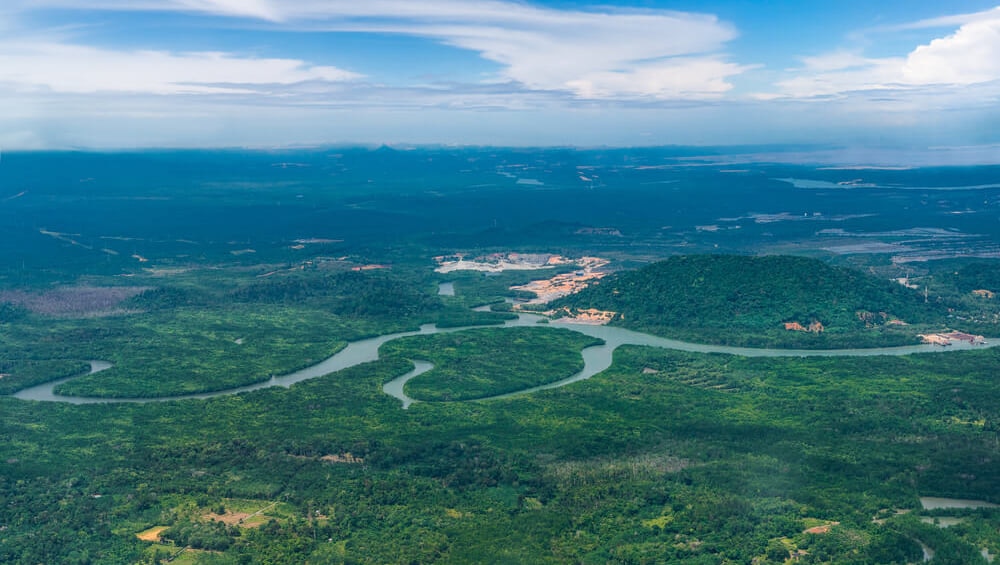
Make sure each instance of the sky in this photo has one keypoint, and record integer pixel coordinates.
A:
(895, 74)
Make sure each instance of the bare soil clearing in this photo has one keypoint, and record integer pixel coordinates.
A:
(498, 262)
(568, 283)
(75, 301)
(152, 534)
(230, 518)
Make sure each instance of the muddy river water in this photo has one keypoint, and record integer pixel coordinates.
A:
(596, 359)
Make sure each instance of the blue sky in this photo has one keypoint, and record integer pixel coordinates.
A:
(141, 73)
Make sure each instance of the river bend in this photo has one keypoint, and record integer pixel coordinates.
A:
(596, 358)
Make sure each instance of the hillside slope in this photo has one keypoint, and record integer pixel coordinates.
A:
(760, 301)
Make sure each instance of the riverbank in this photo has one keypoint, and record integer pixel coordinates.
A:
(596, 359)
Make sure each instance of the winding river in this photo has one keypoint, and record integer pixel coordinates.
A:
(596, 359)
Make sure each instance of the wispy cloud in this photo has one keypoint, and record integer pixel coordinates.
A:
(75, 72)
(601, 54)
(969, 56)
(67, 68)
(949, 21)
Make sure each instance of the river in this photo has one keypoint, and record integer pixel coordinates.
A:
(596, 359)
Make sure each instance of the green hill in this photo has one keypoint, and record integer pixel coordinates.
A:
(748, 301)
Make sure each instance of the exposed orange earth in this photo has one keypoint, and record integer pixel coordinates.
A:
(948, 338)
(591, 316)
(824, 529)
(565, 284)
(814, 327)
(152, 534)
(545, 290)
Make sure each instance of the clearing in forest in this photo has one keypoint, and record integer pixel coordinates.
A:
(152, 534)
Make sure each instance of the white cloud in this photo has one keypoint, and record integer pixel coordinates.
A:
(949, 21)
(610, 54)
(605, 56)
(837, 74)
(247, 8)
(66, 68)
(560, 68)
(676, 79)
(969, 56)
(837, 61)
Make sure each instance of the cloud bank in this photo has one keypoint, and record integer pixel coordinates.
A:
(606, 54)
(75, 72)
(970, 56)
(66, 68)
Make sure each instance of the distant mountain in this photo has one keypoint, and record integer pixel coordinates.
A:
(759, 301)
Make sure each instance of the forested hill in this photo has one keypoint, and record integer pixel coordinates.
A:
(749, 300)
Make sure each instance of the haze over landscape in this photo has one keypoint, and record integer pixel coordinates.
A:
(894, 75)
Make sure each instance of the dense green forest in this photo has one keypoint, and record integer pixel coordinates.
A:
(189, 336)
(202, 271)
(489, 362)
(665, 457)
(977, 276)
(745, 300)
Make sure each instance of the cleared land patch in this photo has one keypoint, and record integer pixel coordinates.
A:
(152, 534)
(75, 301)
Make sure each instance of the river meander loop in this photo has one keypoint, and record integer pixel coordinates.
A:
(596, 358)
